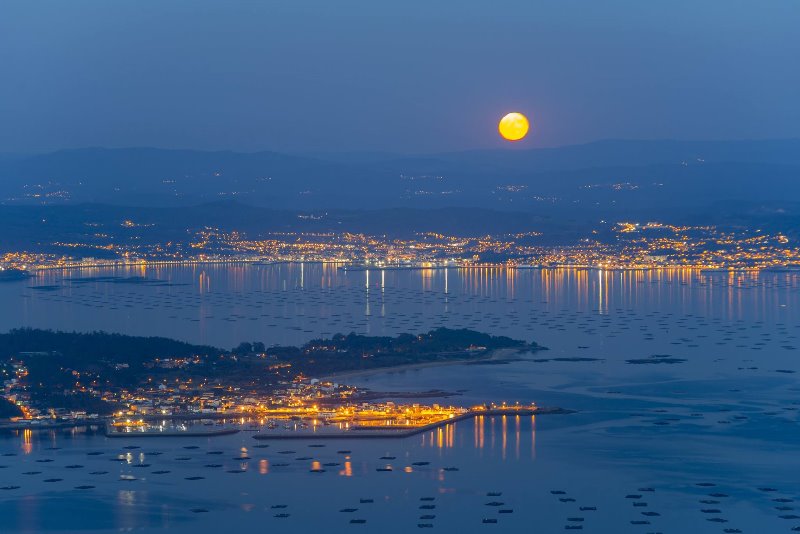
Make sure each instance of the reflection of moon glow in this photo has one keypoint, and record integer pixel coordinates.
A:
(513, 126)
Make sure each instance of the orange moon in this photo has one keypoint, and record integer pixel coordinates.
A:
(513, 126)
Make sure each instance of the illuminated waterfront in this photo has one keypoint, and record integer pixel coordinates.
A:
(622, 245)
(386, 420)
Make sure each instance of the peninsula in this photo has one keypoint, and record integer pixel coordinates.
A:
(57, 377)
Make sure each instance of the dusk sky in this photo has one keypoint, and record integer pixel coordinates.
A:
(412, 76)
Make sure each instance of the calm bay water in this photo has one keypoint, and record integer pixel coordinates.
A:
(291, 303)
(724, 412)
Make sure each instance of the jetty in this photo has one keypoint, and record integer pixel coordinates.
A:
(404, 431)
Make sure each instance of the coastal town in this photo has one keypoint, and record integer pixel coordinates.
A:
(100, 377)
(302, 408)
(620, 245)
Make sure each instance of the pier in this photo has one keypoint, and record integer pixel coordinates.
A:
(342, 423)
(400, 431)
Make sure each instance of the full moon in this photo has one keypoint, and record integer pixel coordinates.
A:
(513, 126)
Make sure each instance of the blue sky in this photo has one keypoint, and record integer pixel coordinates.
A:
(410, 76)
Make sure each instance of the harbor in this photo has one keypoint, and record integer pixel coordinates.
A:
(345, 422)
(394, 430)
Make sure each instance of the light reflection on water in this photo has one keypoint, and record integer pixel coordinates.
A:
(291, 303)
(708, 419)
(27, 445)
(459, 465)
(449, 459)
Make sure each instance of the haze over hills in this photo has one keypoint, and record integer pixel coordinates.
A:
(606, 153)
(608, 175)
(564, 192)
(97, 223)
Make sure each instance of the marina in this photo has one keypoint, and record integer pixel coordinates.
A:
(390, 422)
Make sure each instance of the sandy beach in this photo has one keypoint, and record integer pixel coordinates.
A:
(495, 355)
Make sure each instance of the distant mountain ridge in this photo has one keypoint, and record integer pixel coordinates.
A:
(53, 228)
(601, 177)
(633, 153)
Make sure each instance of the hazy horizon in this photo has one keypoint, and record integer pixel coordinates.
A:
(321, 154)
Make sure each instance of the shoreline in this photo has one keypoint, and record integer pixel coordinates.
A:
(114, 264)
(492, 356)
(496, 356)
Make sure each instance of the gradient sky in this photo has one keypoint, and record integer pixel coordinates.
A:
(399, 76)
